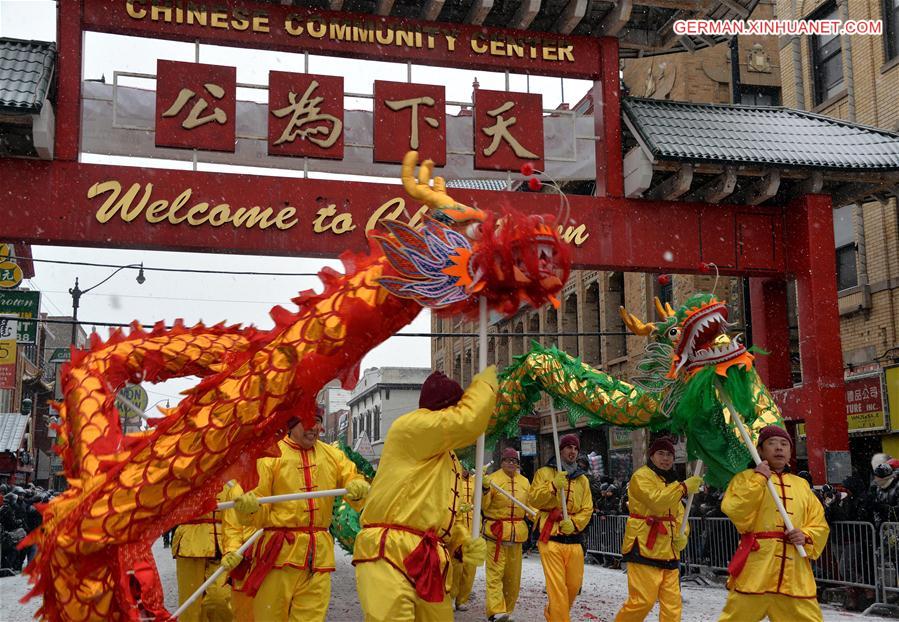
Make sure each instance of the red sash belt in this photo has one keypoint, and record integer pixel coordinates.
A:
(552, 518)
(656, 527)
(748, 544)
(423, 563)
(260, 560)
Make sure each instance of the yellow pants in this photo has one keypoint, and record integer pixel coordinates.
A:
(778, 607)
(242, 606)
(387, 596)
(463, 579)
(646, 585)
(292, 595)
(215, 604)
(503, 578)
(563, 568)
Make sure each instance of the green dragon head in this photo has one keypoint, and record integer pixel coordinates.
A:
(695, 335)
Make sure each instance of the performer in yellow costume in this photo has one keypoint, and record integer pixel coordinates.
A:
(560, 540)
(402, 563)
(652, 540)
(505, 530)
(463, 574)
(236, 534)
(290, 565)
(767, 575)
(198, 547)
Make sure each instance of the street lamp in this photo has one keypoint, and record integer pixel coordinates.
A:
(77, 292)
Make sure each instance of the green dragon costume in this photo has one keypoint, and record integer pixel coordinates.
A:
(688, 359)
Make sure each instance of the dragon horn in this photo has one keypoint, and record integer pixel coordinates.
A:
(637, 326)
(664, 312)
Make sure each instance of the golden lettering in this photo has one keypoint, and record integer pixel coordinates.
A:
(363, 34)
(219, 215)
(578, 234)
(199, 208)
(476, 44)
(515, 49)
(219, 20)
(291, 27)
(156, 208)
(155, 11)
(450, 41)
(193, 118)
(497, 48)
(177, 204)
(405, 37)
(307, 121)
(241, 20)
(111, 206)
(252, 217)
(549, 53)
(195, 13)
(500, 131)
(282, 222)
(414, 103)
(566, 53)
(260, 22)
(339, 31)
(340, 224)
(398, 205)
(384, 36)
(318, 225)
(135, 10)
(315, 26)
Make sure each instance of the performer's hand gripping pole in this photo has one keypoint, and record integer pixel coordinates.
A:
(294, 496)
(559, 464)
(747, 440)
(697, 471)
(215, 575)
(479, 446)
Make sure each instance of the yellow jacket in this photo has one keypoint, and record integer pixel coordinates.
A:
(465, 488)
(306, 522)
(414, 491)
(204, 535)
(775, 567)
(544, 497)
(499, 510)
(649, 500)
(234, 533)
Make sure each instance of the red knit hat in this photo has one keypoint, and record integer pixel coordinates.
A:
(319, 415)
(770, 431)
(439, 392)
(509, 453)
(662, 443)
(569, 439)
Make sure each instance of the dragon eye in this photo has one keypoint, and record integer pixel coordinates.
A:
(673, 333)
(473, 231)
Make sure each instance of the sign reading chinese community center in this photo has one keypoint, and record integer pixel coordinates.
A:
(195, 109)
(293, 29)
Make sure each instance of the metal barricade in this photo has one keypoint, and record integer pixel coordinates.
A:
(889, 561)
(712, 543)
(849, 558)
(605, 533)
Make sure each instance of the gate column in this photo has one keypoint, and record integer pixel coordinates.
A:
(812, 260)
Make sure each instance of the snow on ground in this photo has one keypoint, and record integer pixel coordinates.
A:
(604, 591)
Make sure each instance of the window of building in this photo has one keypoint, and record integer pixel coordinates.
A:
(844, 240)
(760, 95)
(891, 17)
(827, 58)
(377, 428)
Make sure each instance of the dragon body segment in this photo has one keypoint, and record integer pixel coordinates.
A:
(689, 364)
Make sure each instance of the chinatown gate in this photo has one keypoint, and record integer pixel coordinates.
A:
(72, 203)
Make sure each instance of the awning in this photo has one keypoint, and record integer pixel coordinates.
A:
(12, 431)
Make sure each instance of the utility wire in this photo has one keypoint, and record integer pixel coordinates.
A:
(186, 270)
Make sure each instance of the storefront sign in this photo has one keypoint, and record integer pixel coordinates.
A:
(60, 355)
(864, 405)
(620, 438)
(290, 28)
(10, 273)
(528, 445)
(7, 364)
(131, 400)
(24, 305)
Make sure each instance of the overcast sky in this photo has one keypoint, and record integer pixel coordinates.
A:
(213, 298)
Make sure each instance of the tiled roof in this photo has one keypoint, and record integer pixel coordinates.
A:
(12, 429)
(762, 135)
(26, 73)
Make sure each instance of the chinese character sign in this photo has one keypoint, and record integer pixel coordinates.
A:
(508, 130)
(409, 116)
(195, 106)
(305, 115)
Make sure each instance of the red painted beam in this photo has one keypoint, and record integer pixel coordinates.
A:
(607, 122)
(771, 332)
(56, 205)
(68, 69)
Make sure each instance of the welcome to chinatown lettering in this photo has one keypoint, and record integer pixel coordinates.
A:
(372, 32)
(139, 202)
